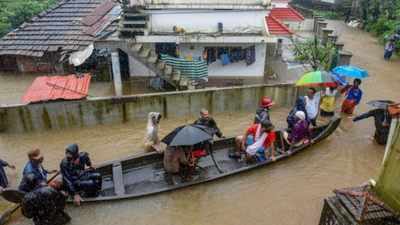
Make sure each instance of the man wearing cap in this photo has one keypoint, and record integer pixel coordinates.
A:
(79, 176)
(35, 170)
(262, 112)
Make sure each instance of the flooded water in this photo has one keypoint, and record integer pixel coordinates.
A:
(286, 193)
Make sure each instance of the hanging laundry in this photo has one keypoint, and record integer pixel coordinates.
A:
(250, 55)
(225, 59)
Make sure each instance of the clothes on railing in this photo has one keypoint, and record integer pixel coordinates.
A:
(194, 69)
(229, 55)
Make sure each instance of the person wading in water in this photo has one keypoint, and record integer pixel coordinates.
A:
(382, 119)
(3, 176)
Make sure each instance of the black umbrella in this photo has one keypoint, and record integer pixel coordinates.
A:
(187, 135)
(380, 104)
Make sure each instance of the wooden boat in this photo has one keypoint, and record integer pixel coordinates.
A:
(143, 175)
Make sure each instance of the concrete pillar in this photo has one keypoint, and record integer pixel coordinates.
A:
(325, 33)
(321, 25)
(116, 73)
(344, 58)
(332, 38)
(316, 20)
(339, 45)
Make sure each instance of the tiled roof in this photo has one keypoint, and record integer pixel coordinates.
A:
(275, 27)
(66, 27)
(287, 13)
(46, 88)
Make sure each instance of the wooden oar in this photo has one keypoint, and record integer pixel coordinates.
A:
(5, 217)
(210, 151)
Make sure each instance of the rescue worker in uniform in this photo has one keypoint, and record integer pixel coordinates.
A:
(382, 123)
(45, 205)
(79, 177)
(262, 113)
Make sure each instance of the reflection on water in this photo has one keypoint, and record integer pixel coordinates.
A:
(289, 192)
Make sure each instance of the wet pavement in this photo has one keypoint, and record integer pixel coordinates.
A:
(286, 193)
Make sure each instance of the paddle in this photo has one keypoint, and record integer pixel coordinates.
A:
(210, 151)
(5, 217)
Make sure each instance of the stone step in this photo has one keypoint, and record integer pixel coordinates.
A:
(134, 22)
(160, 65)
(168, 70)
(145, 52)
(136, 47)
(183, 83)
(176, 76)
(153, 59)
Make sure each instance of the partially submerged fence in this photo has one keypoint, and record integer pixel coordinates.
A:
(109, 110)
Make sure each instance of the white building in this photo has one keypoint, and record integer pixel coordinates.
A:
(231, 36)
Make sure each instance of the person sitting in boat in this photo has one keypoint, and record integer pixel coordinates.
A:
(207, 121)
(79, 176)
(300, 132)
(152, 141)
(300, 105)
(382, 119)
(262, 112)
(45, 205)
(256, 142)
(175, 160)
(34, 168)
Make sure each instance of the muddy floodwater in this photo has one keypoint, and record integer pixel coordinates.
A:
(286, 193)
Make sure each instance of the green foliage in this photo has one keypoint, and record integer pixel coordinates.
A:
(14, 13)
(381, 17)
(314, 53)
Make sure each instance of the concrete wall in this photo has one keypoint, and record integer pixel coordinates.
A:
(206, 21)
(237, 69)
(111, 110)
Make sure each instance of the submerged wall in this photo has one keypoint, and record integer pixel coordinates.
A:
(109, 110)
(388, 185)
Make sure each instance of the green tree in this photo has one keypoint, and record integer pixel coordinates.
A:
(314, 53)
(14, 13)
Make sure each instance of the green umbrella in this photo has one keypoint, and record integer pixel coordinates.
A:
(316, 79)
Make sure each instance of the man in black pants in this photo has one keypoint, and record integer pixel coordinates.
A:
(79, 177)
(382, 123)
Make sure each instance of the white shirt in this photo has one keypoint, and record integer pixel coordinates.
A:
(312, 105)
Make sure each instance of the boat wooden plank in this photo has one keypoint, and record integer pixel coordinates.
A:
(118, 178)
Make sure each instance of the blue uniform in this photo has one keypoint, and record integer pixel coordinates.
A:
(39, 176)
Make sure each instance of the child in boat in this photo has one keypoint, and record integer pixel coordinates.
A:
(300, 133)
(262, 112)
(256, 142)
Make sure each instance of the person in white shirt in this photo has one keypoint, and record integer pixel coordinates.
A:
(312, 105)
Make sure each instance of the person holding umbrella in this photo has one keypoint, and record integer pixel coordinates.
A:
(178, 155)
